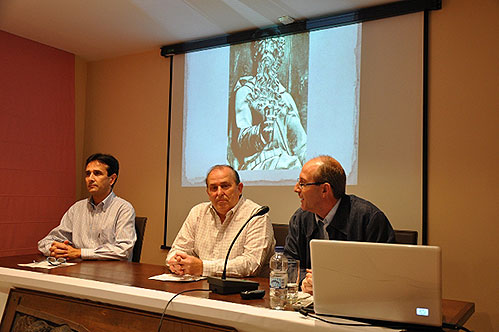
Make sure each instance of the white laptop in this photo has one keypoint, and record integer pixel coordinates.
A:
(377, 281)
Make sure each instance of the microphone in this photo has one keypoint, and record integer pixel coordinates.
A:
(224, 285)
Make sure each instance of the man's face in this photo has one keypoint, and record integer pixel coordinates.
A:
(310, 196)
(222, 189)
(97, 180)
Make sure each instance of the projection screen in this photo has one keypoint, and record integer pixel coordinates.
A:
(354, 92)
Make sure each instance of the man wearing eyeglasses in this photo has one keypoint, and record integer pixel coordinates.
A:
(99, 227)
(203, 241)
(326, 212)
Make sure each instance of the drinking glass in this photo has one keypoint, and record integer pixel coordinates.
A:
(293, 280)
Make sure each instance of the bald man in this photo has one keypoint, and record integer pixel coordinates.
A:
(203, 241)
(326, 212)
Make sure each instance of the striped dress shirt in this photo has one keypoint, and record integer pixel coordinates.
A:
(102, 231)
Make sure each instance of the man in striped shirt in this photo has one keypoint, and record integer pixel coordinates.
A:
(99, 227)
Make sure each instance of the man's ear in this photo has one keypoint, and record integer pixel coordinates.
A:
(327, 188)
(113, 178)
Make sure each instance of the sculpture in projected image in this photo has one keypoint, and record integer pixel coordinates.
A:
(265, 128)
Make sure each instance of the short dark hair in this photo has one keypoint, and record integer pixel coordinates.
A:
(234, 173)
(331, 172)
(112, 164)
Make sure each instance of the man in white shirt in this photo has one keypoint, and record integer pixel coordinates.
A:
(99, 227)
(203, 241)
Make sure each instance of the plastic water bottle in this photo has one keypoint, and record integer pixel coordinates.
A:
(278, 279)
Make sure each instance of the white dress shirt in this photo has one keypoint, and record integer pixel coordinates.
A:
(203, 235)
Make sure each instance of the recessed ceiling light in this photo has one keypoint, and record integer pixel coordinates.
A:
(286, 19)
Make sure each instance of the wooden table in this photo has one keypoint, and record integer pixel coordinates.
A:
(137, 274)
(134, 274)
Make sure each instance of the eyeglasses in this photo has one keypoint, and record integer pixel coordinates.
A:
(56, 261)
(301, 184)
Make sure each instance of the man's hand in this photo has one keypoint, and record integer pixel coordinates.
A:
(173, 263)
(307, 284)
(181, 264)
(64, 250)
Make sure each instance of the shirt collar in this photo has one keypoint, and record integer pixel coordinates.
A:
(105, 203)
(330, 215)
(231, 212)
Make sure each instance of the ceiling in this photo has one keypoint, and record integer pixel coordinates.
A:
(100, 29)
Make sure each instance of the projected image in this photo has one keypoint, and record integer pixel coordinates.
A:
(268, 104)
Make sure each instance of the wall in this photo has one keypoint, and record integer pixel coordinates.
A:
(80, 108)
(37, 142)
(126, 115)
(464, 153)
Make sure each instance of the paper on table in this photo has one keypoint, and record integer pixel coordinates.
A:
(304, 299)
(177, 278)
(45, 265)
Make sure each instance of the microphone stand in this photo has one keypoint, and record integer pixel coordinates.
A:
(223, 285)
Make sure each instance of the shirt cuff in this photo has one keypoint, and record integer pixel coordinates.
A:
(171, 253)
(209, 268)
(86, 253)
(45, 250)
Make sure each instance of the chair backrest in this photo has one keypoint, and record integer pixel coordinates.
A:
(406, 237)
(140, 228)
(280, 233)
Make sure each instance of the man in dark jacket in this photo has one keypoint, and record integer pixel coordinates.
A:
(326, 212)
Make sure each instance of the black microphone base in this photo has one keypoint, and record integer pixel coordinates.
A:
(230, 285)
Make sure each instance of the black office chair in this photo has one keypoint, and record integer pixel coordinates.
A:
(280, 233)
(406, 237)
(140, 228)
